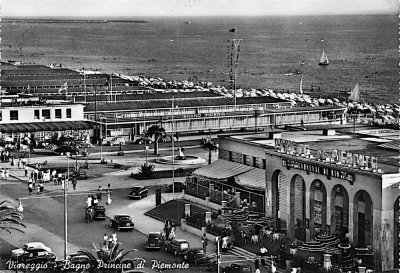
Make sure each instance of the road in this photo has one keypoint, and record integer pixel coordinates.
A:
(44, 215)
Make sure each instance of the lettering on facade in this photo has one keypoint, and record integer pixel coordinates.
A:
(318, 169)
(205, 115)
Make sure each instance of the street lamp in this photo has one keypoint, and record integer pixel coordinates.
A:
(66, 211)
(146, 148)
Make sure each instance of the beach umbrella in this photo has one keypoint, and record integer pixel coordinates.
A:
(329, 101)
(336, 99)
(359, 107)
(321, 100)
(388, 110)
(300, 99)
(308, 100)
(350, 105)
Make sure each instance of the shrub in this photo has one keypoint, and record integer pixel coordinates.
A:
(146, 170)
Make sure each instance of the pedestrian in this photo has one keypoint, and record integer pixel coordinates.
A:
(41, 187)
(59, 179)
(105, 239)
(99, 193)
(7, 174)
(109, 187)
(89, 201)
(114, 238)
(263, 253)
(110, 242)
(24, 162)
(204, 243)
(30, 188)
(3, 173)
(19, 163)
(95, 201)
(74, 183)
(12, 161)
(257, 269)
(26, 170)
(224, 244)
(38, 189)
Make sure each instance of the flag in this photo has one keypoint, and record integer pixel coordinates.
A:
(232, 30)
(63, 87)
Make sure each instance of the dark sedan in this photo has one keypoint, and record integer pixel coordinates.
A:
(197, 257)
(121, 222)
(138, 192)
(178, 187)
(33, 253)
(64, 149)
(154, 240)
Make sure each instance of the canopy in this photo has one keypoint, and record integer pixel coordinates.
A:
(222, 169)
(44, 126)
(253, 180)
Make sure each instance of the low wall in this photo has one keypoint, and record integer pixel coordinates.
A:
(201, 202)
(195, 231)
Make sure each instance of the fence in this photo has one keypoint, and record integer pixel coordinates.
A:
(200, 191)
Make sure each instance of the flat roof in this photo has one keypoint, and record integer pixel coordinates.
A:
(388, 159)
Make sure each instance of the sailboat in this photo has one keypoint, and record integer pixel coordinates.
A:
(301, 86)
(324, 59)
(355, 94)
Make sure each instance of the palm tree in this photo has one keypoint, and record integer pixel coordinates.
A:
(111, 256)
(158, 132)
(10, 218)
(208, 145)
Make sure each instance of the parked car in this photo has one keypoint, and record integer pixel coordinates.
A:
(33, 253)
(178, 186)
(177, 247)
(138, 192)
(155, 240)
(142, 140)
(237, 268)
(116, 141)
(197, 257)
(100, 213)
(63, 149)
(122, 221)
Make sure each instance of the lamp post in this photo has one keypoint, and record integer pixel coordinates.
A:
(173, 150)
(66, 212)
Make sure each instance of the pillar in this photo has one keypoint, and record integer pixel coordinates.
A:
(329, 211)
(208, 217)
(237, 197)
(187, 209)
(308, 215)
(327, 261)
(351, 220)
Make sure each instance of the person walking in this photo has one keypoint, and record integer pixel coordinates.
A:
(95, 201)
(74, 183)
(30, 188)
(204, 243)
(26, 170)
(7, 174)
(19, 164)
(105, 239)
(3, 173)
(114, 238)
(41, 187)
(99, 193)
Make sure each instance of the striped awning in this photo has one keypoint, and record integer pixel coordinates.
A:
(222, 169)
(44, 126)
(253, 179)
(393, 145)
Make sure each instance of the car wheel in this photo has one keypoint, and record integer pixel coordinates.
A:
(176, 253)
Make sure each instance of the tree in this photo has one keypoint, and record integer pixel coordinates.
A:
(158, 132)
(208, 145)
(112, 257)
(10, 218)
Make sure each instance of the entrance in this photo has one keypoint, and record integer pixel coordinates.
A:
(339, 211)
(298, 208)
(363, 219)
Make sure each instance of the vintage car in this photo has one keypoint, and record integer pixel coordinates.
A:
(237, 268)
(138, 192)
(64, 149)
(33, 253)
(177, 247)
(178, 187)
(197, 257)
(99, 213)
(155, 240)
(122, 222)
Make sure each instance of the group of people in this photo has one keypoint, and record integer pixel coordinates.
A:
(5, 156)
(109, 241)
(169, 229)
(92, 201)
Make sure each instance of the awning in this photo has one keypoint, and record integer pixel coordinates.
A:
(44, 126)
(252, 180)
(222, 169)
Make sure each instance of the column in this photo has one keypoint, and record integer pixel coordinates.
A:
(237, 197)
(308, 215)
(351, 220)
(329, 211)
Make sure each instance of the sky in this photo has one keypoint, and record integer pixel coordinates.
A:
(137, 8)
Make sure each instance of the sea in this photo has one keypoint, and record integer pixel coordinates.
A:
(361, 49)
